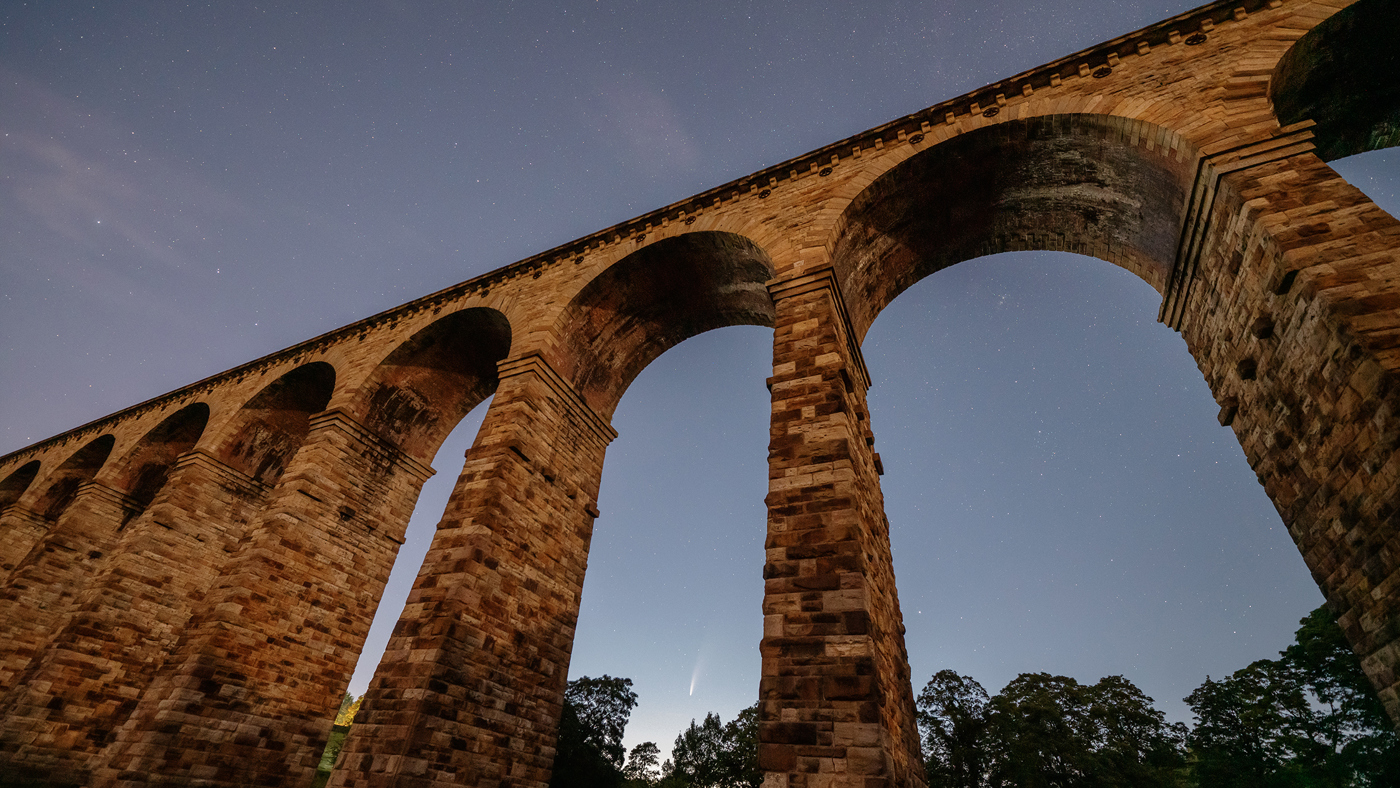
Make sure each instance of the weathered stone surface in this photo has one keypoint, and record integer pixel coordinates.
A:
(69, 701)
(472, 683)
(187, 583)
(833, 644)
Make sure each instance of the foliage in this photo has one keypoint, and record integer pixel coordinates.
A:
(1044, 730)
(349, 705)
(714, 754)
(952, 714)
(642, 767)
(595, 714)
(1309, 719)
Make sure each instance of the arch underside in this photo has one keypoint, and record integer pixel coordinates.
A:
(271, 426)
(147, 466)
(1096, 185)
(75, 471)
(654, 299)
(424, 387)
(17, 482)
(1345, 76)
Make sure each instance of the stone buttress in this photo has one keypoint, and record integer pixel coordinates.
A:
(1289, 299)
(68, 703)
(249, 691)
(471, 687)
(41, 591)
(836, 704)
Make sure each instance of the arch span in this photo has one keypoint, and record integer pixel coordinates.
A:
(16, 483)
(75, 471)
(654, 299)
(269, 428)
(1344, 75)
(1108, 187)
(145, 468)
(19, 528)
(427, 384)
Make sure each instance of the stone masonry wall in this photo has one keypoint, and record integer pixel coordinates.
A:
(1293, 320)
(836, 707)
(472, 684)
(35, 603)
(248, 694)
(67, 705)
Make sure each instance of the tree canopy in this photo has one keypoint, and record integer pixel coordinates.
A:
(594, 718)
(1043, 731)
(715, 754)
(1309, 719)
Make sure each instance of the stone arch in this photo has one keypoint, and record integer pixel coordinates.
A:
(16, 483)
(1344, 75)
(75, 471)
(654, 299)
(145, 468)
(426, 385)
(1108, 187)
(267, 430)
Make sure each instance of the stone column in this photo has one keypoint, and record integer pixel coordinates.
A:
(836, 705)
(42, 590)
(20, 530)
(248, 693)
(471, 687)
(1287, 292)
(73, 696)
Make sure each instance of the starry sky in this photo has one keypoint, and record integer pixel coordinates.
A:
(185, 187)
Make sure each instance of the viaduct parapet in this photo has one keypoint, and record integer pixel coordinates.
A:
(185, 585)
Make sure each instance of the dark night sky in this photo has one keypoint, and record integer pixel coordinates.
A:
(186, 187)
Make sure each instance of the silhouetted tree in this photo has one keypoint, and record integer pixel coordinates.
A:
(595, 714)
(1310, 718)
(642, 769)
(952, 714)
(713, 754)
(1045, 731)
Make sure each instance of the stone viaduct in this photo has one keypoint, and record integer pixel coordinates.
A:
(187, 583)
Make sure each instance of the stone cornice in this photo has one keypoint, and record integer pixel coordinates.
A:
(909, 129)
(108, 495)
(24, 514)
(230, 475)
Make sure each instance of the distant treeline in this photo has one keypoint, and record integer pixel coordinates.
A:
(1309, 719)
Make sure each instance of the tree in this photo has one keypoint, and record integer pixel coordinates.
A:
(641, 769)
(349, 705)
(603, 706)
(595, 714)
(1042, 731)
(1038, 732)
(1133, 745)
(1053, 731)
(1309, 718)
(713, 754)
(741, 750)
(1252, 728)
(952, 714)
(1361, 742)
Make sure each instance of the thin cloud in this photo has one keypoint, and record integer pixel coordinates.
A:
(644, 120)
(57, 153)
